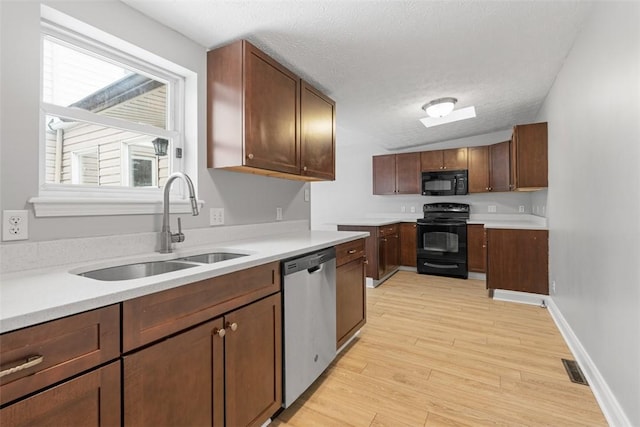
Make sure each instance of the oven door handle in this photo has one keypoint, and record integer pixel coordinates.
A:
(428, 264)
(447, 224)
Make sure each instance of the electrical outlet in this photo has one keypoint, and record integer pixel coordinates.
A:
(15, 225)
(403, 209)
(216, 216)
(521, 208)
(307, 194)
(278, 214)
(553, 287)
(413, 209)
(492, 208)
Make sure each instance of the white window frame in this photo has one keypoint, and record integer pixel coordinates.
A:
(76, 164)
(79, 200)
(126, 158)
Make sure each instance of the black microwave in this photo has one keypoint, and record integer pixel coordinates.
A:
(445, 183)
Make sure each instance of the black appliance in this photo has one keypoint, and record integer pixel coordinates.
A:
(445, 183)
(442, 240)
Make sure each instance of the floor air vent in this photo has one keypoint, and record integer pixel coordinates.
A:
(574, 372)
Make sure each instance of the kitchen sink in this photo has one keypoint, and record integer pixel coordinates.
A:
(136, 271)
(211, 257)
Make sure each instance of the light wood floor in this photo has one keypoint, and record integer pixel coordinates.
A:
(438, 351)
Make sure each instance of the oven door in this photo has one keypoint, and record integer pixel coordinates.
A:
(442, 248)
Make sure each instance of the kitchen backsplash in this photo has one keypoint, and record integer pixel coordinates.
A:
(35, 255)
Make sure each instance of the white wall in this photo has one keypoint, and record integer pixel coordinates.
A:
(351, 196)
(246, 198)
(593, 110)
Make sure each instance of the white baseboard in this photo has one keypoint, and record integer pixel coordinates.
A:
(609, 405)
(520, 297)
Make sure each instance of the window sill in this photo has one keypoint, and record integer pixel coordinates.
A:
(68, 206)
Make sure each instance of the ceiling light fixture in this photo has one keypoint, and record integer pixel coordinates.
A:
(439, 107)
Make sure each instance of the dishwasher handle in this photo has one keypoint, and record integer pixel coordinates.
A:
(315, 269)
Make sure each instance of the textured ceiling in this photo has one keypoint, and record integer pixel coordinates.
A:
(382, 60)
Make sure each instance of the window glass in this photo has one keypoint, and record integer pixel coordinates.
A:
(101, 114)
(80, 152)
(74, 78)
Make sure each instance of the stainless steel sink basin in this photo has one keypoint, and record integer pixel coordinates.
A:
(212, 257)
(136, 271)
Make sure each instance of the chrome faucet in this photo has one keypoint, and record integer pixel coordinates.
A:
(166, 237)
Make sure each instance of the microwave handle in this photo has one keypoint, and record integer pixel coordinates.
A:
(455, 185)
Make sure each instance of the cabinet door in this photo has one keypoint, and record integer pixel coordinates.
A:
(92, 399)
(253, 362)
(499, 165)
(350, 300)
(270, 114)
(478, 169)
(431, 160)
(408, 175)
(178, 381)
(529, 156)
(384, 174)
(476, 248)
(454, 159)
(392, 252)
(408, 254)
(517, 260)
(317, 127)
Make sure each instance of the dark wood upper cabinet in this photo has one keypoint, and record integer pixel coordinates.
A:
(261, 118)
(408, 173)
(479, 169)
(451, 159)
(318, 133)
(396, 174)
(499, 167)
(529, 157)
(489, 168)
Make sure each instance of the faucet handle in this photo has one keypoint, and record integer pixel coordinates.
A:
(178, 237)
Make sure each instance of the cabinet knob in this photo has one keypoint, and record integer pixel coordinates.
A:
(233, 326)
(490, 188)
(352, 251)
(250, 156)
(219, 332)
(304, 168)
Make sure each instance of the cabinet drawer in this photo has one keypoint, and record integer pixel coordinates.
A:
(57, 350)
(387, 230)
(153, 317)
(349, 251)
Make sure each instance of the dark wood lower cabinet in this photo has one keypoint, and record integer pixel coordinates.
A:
(92, 399)
(476, 248)
(408, 249)
(253, 362)
(199, 377)
(351, 305)
(518, 260)
(178, 381)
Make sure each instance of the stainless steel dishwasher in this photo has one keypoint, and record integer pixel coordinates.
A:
(309, 289)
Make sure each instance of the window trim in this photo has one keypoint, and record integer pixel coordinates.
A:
(79, 200)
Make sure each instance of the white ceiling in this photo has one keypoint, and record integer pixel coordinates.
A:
(382, 60)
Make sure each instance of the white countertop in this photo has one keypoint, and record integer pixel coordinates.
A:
(35, 296)
(509, 221)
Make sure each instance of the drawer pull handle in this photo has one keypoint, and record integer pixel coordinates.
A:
(352, 251)
(28, 363)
